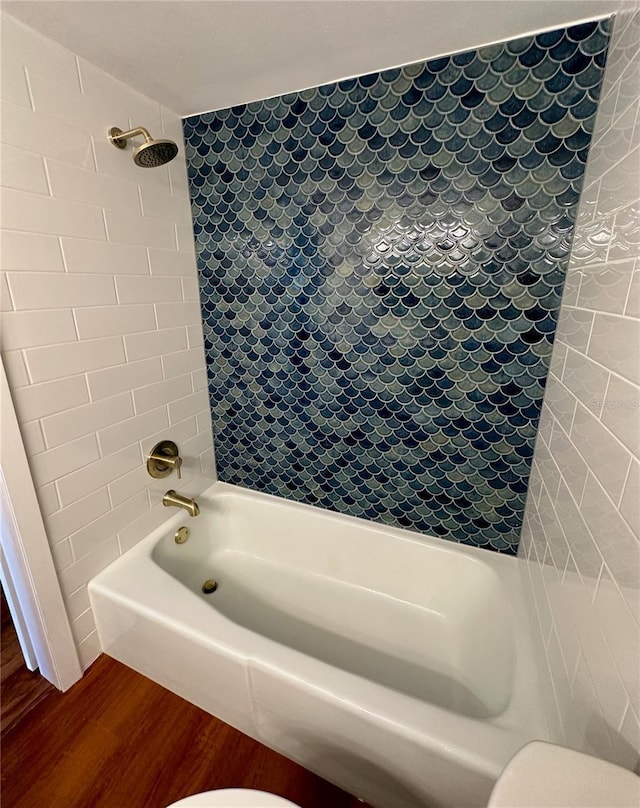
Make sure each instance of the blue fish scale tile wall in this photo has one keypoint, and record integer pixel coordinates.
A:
(381, 263)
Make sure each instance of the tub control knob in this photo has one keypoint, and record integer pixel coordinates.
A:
(164, 458)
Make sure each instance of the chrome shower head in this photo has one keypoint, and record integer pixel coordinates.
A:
(151, 153)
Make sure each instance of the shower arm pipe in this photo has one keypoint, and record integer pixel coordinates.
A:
(119, 138)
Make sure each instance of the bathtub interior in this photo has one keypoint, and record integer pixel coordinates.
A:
(431, 622)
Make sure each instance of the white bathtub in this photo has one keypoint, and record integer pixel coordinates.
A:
(394, 665)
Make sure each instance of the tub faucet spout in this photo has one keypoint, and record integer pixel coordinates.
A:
(172, 498)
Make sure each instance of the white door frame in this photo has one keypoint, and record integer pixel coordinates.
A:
(27, 563)
(20, 623)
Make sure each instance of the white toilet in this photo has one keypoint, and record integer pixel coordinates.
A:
(550, 776)
(233, 798)
(540, 775)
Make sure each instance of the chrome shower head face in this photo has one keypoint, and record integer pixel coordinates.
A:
(155, 153)
(151, 154)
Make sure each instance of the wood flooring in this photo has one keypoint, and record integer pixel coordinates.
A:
(20, 688)
(118, 740)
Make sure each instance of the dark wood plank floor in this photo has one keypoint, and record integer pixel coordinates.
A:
(20, 688)
(118, 740)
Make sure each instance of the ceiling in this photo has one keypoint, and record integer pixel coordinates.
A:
(197, 55)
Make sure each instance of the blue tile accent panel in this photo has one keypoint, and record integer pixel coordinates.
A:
(381, 263)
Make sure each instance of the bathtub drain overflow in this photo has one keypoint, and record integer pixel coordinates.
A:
(209, 586)
(182, 534)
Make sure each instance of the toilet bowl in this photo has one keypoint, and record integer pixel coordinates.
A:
(233, 798)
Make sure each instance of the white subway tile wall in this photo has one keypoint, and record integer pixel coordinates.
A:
(99, 309)
(581, 534)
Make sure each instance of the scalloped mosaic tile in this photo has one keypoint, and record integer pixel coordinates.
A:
(381, 263)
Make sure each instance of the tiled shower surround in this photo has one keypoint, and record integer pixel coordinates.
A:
(381, 263)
